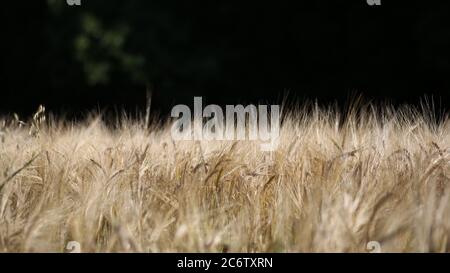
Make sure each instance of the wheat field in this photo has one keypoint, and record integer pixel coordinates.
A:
(334, 184)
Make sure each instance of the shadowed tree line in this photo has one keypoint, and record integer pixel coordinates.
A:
(108, 53)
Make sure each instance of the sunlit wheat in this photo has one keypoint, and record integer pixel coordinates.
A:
(335, 183)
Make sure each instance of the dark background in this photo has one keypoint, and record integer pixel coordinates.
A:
(106, 54)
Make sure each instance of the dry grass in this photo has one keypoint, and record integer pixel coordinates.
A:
(329, 187)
